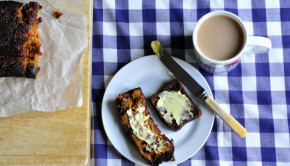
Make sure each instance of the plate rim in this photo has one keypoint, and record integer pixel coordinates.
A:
(123, 68)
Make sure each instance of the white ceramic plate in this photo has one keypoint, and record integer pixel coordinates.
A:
(150, 74)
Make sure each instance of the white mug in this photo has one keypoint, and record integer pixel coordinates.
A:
(251, 44)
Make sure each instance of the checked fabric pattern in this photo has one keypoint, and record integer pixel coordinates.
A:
(256, 93)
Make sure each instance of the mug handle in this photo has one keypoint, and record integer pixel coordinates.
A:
(258, 44)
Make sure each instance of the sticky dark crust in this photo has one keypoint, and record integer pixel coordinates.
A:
(57, 14)
(176, 86)
(132, 100)
(19, 45)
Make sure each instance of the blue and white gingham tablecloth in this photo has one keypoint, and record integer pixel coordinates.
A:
(257, 92)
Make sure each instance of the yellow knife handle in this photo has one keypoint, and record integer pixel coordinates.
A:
(226, 117)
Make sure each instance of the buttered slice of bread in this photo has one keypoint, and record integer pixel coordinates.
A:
(174, 106)
(152, 144)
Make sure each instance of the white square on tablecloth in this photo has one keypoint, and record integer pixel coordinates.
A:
(249, 83)
(244, 4)
(254, 163)
(109, 5)
(272, 4)
(189, 4)
(217, 4)
(282, 163)
(188, 28)
(282, 140)
(136, 53)
(274, 28)
(276, 55)
(136, 29)
(220, 83)
(114, 162)
(279, 111)
(163, 28)
(198, 162)
(277, 83)
(226, 163)
(249, 27)
(224, 139)
(135, 4)
(110, 55)
(251, 111)
(253, 140)
(109, 28)
(164, 4)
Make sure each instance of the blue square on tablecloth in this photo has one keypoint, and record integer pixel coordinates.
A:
(265, 111)
(248, 69)
(202, 12)
(189, 15)
(285, 28)
(285, 3)
(109, 42)
(122, 15)
(203, 4)
(162, 15)
(277, 69)
(252, 125)
(123, 42)
(151, 5)
(245, 14)
(280, 154)
(100, 161)
(262, 69)
(286, 57)
(98, 68)
(135, 16)
(110, 68)
(100, 137)
(236, 72)
(126, 162)
(121, 5)
(212, 141)
(266, 125)
(136, 42)
(122, 29)
(97, 41)
(287, 85)
(101, 150)
(235, 83)
(268, 154)
(177, 30)
(262, 57)
(267, 140)
(97, 81)
(188, 43)
(250, 97)
(254, 154)
(176, 15)
(124, 55)
(97, 55)
(236, 111)
(227, 153)
(285, 16)
(109, 15)
(260, 28)
(98, 15)
(286, 41)
(236, 97)
(99, 30)
(258, 4)
(211, 152)
(276, 41)
(281, 122)
(235, 11)
(230, 4)
(149, 15)
(259, 15)
(279, 97)
(264, 97)
(287, 69)
(239, 153)
(288, 101)
(263, 83)
(149, 29)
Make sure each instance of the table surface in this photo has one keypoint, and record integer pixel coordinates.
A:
(51, 138)
(256, 92)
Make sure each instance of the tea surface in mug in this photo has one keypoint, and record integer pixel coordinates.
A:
(220, 37)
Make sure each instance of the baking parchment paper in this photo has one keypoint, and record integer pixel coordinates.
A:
(58, 84)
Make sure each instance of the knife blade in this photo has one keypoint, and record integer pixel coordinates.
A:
(196, 89)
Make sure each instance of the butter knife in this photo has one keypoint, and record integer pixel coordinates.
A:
(196, 89)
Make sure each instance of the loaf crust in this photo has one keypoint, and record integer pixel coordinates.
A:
(176, 86)
(128, 105)
(19, 45)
